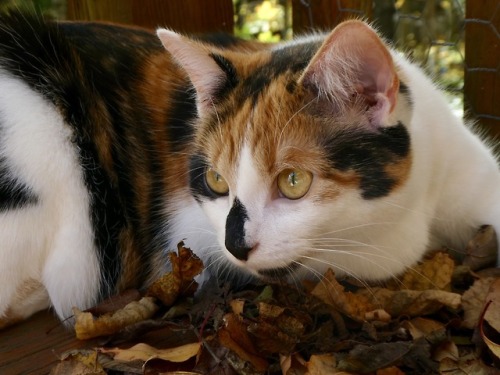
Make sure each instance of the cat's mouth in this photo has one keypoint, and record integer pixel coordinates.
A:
(278, 273)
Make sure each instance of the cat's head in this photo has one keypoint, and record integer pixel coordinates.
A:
(298, 146)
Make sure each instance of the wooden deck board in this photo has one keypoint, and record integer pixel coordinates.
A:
(34, 346)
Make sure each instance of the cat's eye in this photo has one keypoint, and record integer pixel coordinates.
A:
(216, 182)
(294, 183)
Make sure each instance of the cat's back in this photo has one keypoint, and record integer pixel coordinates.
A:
(74, 116)
(61, 59)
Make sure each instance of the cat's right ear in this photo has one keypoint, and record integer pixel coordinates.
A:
(354, 64)
(196, 59)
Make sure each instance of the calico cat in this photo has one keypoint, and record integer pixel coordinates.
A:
(273, 161)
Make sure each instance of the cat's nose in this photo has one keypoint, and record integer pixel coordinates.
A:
(240, 251)
(235, 240)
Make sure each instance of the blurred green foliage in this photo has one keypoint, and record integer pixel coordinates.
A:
(265, 20)
(55, 8)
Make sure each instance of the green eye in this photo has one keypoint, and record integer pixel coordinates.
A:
(216, 182)
(294, 183)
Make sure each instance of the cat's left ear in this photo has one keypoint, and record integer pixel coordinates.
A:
(353, 63)
(195, 58)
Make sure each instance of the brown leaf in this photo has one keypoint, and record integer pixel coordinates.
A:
(355, 306)
(473, 301)
(180, 281)
(87, 326)
(363, 359)
(492, 345)
(447, 350)
(433, 273)
(144, 352)
(464, 366)
(482, 249)
(369, 358)
(422, 327)
(81, 363)
(492, 315)
(390, 371)
(322, 364)
(114, 303)
(269, 338)
(411, 302)
(234, 336)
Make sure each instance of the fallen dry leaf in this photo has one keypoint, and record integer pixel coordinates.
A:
(114, 303)
(234, 336)
(79, 363)
(180, 281)
(493, 346)
(432, 273)
(481, 251)
(492, 314)
(331, 292)
(473, 301)
(467, 365)
(144, 352)
(421, 327)
(446, 350)
(390, 371)
(87, 326)
(410, 302)
(322, 364)
(365, 359)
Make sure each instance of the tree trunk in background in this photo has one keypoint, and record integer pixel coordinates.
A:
(325, 14)
(188, 16)
(482, 63)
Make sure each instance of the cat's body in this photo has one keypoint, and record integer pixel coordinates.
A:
(295, 158)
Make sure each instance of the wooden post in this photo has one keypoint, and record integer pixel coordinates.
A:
(310, 15)
(482, 63)
(188, 16)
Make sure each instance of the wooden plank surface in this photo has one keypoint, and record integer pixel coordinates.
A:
(35, 346)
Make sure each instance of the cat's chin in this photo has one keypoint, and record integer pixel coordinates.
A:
(280, 273)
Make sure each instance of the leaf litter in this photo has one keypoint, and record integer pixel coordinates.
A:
(440, 317)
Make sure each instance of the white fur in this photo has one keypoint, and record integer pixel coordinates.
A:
(191, 226)
(50, 241)
(458, 175)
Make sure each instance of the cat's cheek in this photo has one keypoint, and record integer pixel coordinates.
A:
(216, 210)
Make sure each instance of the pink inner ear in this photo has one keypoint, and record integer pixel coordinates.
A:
(194, 58)
(354, 59)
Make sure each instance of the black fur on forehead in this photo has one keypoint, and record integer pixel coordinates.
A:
(293, 59)
(368, 154)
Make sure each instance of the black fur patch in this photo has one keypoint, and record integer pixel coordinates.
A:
(13, 194)
(197, 182)
(180, 128)
(291, 86)
(231, 80)
(405, 90)
(368, 154)
(235, 231)
(291, 59)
